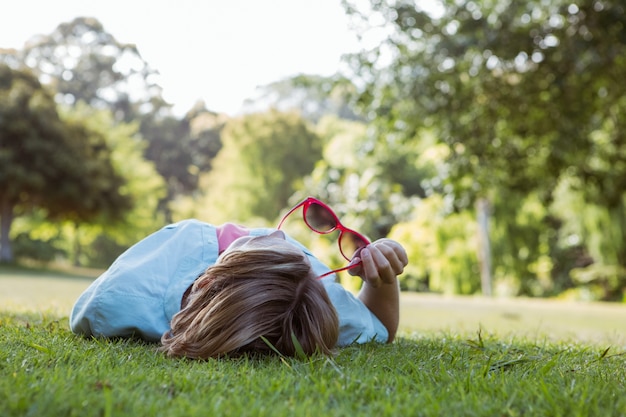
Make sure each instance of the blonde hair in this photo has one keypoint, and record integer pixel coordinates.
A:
(249, 295)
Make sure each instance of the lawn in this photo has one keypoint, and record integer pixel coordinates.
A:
(54, 292)
(456, 356)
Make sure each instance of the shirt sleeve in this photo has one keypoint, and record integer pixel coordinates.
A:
(143, 288)
(357, 324)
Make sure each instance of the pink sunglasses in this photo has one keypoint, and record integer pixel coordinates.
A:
(320, 218)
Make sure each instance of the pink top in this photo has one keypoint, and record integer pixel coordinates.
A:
(227, 233)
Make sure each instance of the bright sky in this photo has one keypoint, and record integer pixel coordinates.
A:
(215, 50)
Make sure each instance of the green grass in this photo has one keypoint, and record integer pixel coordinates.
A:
(453, 368)
(48, 371)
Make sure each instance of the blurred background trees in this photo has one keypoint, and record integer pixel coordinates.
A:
(261, 164)
(61, 165)
(524, 97)
(509, 112)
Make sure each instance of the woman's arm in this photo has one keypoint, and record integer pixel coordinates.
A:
(381, 263)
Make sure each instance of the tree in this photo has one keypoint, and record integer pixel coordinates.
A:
(142, 183)
(263, 159)
(182, 149)
(515, 90)
(64, 168)
(442, 249)
(312, 96)
(99, 241)
(358, 183)
(83, 62)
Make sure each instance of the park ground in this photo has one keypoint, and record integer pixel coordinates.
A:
(54, 292)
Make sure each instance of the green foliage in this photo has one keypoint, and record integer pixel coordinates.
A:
(313, 96)
(602, 228)
(522, 245)
(83, 62)
(48, 370)
(142, 183)
(442, 249)
(99, 241)
(57, 165)
(36, 249)
(182, 149)
(35, 147)
(263, 159)
(516, 103)
(522, 94)
(100, 187)
(358, 184)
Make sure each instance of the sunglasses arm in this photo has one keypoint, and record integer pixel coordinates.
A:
(289, 212)
(345, 268)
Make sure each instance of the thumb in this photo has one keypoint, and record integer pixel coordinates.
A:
(356, 270)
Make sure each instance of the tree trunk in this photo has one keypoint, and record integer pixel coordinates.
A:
(77, 246)
(6, 219)
(484, 246)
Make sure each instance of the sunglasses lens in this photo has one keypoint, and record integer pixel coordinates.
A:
(350, 243)
(320, 219)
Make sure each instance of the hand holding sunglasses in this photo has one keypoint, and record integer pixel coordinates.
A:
(376, 263)
(380, 263)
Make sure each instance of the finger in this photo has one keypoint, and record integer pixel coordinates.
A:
(395, 256)
(398, 260)
(395, 253)
(356, 269)
(401, 254)
(397, 248)
(369, 269)
(383, 257)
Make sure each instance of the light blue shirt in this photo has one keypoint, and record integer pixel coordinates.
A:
(142, 290)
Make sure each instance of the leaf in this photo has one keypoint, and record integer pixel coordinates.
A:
(603, 355)
(39, 347)
(271, 346)
(479, 344)
(506, 364)
(296, 344)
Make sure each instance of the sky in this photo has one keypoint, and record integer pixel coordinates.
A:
(218, 51)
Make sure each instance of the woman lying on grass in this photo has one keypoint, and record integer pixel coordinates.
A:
(208, 291)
